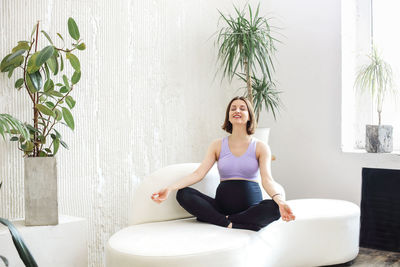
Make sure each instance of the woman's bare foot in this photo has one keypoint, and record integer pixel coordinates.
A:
(230, 225)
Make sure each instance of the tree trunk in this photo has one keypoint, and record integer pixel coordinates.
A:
(248, 79)
(379, 117)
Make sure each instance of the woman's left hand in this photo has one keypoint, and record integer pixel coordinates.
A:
(286, 212)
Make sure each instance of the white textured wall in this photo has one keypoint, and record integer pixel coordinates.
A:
(146, 99)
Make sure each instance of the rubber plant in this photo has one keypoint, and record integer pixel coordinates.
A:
(40, 74)
(246, 45)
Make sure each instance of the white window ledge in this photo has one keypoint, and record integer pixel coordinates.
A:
(363, 151)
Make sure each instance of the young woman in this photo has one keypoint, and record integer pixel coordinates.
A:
(238, 201)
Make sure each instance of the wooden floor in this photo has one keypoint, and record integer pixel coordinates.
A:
(368, 257)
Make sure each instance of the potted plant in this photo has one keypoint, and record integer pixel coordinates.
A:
(376, 78)
(246, 46)
(41, 74)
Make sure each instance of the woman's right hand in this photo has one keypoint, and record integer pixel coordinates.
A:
(161, 195)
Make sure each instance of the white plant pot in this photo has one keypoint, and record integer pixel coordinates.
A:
(262, 133)
(40, 185)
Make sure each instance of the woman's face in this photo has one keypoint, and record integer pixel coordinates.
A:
(238, 112)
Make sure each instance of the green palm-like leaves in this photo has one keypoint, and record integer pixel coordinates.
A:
(245, 41)
(375, 78)
(10, 125)
(246, 45)
(264, 93)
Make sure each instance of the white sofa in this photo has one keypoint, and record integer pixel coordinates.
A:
(325, 232)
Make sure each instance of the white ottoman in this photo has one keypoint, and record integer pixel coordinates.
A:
(325, 232)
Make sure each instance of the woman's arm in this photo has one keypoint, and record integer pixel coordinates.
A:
(267, 181)
(201, 171)
(192, 178)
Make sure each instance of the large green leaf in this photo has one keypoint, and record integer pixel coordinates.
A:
(64, 89)
(49, 104)
(48, 37)
(29, 146)
(55, 93)
(21, 45)
(56, 144)
(19, 83)
(53, 64)
(7, 65)
(29, 83)
(45, 110)
(65, 79)
(36, 79)
(81, 46)
(68, 118)
(44, 55)
(76, 77)
(16, 54)
(73, 29)
(48, 85)
(70, 101)
(47, 71)
(19, 244)
(74, 61)
(32, 63)
(58, 114)
(62, 63)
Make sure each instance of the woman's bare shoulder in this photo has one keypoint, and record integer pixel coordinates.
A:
(216, 143)
(216, 147)
(262, 147)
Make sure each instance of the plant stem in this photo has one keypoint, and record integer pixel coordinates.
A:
(66, 51)
(379, 117)
(36, 101)
(26, 85)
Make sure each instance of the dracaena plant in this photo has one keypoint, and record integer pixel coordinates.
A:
(376, 78)
(41, 74)
(246, 45)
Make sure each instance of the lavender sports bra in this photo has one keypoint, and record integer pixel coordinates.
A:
(245, 166)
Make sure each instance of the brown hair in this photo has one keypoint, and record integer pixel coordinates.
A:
(251, 124)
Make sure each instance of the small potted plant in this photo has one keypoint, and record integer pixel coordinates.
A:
(376, 78)
(41, 76)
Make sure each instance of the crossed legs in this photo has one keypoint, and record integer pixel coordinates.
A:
(206, 209)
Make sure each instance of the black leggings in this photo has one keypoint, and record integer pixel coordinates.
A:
(240, 199)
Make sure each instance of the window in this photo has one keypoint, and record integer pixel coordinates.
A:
(365, 22)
